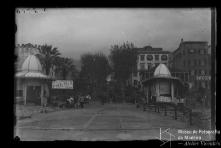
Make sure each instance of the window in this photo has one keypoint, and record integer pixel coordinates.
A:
(201, 51)
(196, 72)
(189, 62)
(142, 57)
(205, 61)
(195, 62)
(191, 51)
(192, 72)
(142, 66)
(135, 82)
(184, 63)
(156, 57)
(149, 57)
(199, 62)
(183, 52)
(164, 57)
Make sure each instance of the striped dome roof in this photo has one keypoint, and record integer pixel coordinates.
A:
(162, 71)
(32, 64)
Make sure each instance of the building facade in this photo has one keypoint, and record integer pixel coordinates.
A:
(147, 59)
(194, 58)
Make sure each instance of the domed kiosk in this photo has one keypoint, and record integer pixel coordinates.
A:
(162, 87)
(31, 81)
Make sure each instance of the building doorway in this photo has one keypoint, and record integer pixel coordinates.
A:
(34, 95)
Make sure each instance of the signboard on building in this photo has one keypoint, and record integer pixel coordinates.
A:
(200, 78)
(62, 84)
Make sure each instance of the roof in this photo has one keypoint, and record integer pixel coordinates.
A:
(190, 42)
(162, 71)
(150, 49)
(149, 81)
(31, 63)
(194, 42)
(26, 74)
(154, 52)
(31, 68)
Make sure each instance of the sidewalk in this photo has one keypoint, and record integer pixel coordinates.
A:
(27, 111)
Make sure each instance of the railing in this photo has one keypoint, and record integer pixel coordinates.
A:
(177, 110)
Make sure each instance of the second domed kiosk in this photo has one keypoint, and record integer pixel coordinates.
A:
(31, 82)
(163, 88)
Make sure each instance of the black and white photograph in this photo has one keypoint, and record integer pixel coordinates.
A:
(114, 74)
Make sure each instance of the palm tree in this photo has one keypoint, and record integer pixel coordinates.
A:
(65, 65)
(47, 56)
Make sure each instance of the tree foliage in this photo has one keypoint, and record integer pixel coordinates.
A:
(47, 56)
(94, 70)
(64, 66)
(123, 60)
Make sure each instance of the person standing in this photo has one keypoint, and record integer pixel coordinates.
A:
(44, 102)
(82, 101)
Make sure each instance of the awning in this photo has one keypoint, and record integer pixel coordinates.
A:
(163, 77)
(27, 74)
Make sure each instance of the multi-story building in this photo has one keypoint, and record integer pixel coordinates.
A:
(148, 58)
(193, 57)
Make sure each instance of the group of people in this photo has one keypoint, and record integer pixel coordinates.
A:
(78, 101)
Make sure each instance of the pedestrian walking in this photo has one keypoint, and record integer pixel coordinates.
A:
(75, 102)
(78, 101)
(81, 101)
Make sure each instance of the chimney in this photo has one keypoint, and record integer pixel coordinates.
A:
(182, 40)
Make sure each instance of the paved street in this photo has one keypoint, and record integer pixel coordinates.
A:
(111, 122)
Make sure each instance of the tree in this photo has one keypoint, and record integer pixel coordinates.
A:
(65, 65)
(47, 56)
(123, 61)
(94, 70)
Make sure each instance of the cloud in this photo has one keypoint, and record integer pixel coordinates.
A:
(76, 31)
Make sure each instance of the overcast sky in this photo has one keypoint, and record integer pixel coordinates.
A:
(77, 31)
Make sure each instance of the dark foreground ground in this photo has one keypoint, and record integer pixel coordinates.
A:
(109, 122)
